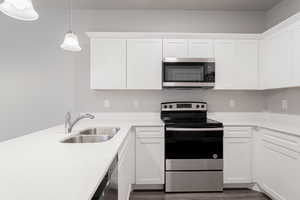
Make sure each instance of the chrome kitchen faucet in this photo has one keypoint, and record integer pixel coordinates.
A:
(69, 124)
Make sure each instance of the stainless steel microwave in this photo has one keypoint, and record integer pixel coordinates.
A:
(188, 73)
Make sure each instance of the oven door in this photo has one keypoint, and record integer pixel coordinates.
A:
(194, 148)
(188, 74)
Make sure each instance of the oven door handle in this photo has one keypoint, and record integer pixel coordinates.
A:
(194, 129)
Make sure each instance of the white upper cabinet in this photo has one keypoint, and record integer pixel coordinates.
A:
(201, 48)
(237, 64)
(144, 64)
(225, 64)
(193, 48)
(295, 54)
(247, 64)
(175, 48)
(280, 60)
(108, 64)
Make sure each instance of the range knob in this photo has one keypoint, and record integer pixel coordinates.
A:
(170, 106)
(165, 106)
(197, 106)
(203, 106)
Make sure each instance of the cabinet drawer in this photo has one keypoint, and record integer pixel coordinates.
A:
(238, 132)
(282, 140)
(149, 132)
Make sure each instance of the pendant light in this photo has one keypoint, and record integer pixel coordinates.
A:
(19, 9)
(71, 42)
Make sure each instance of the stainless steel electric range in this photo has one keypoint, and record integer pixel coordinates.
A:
(193, 148)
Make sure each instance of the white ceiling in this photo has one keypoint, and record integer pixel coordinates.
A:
(226, 5)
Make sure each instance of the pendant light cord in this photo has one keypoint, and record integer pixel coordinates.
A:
(70, 15)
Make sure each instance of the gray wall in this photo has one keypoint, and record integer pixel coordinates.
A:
(39, 82)
(169, 21)
(36, 77)
(282, 11)
(274, 100)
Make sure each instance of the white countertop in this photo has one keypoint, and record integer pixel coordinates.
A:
(38, 167)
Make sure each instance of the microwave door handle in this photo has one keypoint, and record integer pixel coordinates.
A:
(194, 129)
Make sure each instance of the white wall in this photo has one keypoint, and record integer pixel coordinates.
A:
(36, 77)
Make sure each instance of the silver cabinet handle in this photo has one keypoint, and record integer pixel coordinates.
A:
(194, 129)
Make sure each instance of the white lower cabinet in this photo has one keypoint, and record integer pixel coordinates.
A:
(126, 167)
(149, 156)
(278, 164)
(237, 155)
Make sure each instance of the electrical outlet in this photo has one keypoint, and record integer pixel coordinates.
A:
(106, 103)
(136, 104)
(284, 105)
(232, 103)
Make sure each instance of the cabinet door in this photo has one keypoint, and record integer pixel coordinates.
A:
(237, 64)
(280, 62)
(201, 48)
(279, 162)
(144, 64)
(238, 155)
(108, 64)
(149, 161)
(225, 55)
(295, 54)
(126, 168)
(246, 69)
(237, 160)
(175, 48)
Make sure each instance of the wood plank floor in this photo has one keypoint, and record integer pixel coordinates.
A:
(226, 195)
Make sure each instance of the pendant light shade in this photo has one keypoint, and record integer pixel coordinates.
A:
(71, 42)
(19, 9)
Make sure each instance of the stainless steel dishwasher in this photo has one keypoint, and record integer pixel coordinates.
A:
(108, 188)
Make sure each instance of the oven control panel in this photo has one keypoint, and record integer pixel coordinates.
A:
(184, 106)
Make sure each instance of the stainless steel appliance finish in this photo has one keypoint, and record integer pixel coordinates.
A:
(194, 181)
(108, 188)
(187, 84)
(193, 148)
(188, 73)
(187, 106)
(189, 60)
(194, 164)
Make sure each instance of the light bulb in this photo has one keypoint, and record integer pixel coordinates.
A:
(19, 9)
(71, 42)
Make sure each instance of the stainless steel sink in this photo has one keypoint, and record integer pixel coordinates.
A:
(111, 131)
(93, 135)
(87, 139)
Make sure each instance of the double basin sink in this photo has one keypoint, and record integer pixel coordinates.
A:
(93, 135)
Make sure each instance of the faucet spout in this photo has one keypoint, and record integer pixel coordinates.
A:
(69, 124)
